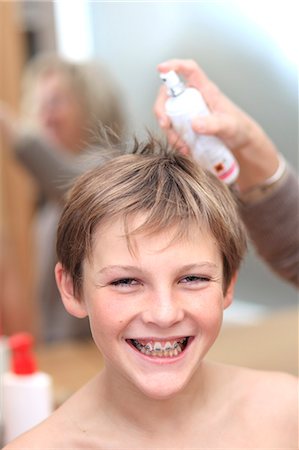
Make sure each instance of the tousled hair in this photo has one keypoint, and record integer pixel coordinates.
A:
(168, 189)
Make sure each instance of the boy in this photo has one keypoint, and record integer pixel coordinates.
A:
(149, 246)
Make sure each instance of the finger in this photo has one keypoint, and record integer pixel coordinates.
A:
(222, 125)
(173, 138)
(176, 143)
(206, 125)
(184, 150)
(188, 68)
(159, 109)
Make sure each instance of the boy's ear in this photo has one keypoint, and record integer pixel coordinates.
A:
(229, 295)
(72, 303)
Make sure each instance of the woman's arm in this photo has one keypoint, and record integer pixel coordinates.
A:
(273, 226)
(50, 167)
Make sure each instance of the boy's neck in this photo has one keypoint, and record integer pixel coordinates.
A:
(127, 403)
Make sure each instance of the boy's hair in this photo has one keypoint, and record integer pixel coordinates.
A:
(169, 188)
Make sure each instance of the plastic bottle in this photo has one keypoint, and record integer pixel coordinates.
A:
(185, 103)
(27, 393)
(4, 358)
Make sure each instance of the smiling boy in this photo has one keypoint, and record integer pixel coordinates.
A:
(149, 246)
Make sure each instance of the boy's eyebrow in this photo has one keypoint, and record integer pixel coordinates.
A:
(193, 266)
(116, 267)
(200, 265)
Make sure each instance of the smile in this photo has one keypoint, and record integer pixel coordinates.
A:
(162, 349)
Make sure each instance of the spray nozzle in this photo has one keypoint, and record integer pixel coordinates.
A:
(173, 83)
(23, 361)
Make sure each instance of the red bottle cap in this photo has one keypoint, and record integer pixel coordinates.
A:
(23, 361)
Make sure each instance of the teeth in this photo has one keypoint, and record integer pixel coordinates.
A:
(167, 346)
(156, 348)
(149, 347)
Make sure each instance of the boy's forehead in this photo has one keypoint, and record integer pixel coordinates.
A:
(125, 232)
(159, 252)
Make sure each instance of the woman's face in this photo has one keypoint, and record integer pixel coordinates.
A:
(59, 112)
(154, 313)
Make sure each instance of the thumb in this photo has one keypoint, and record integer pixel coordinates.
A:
(205, 125)
(220, 125)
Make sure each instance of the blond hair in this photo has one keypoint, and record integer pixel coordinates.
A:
(168, 187)
(90, 81)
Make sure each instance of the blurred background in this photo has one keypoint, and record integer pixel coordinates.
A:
(248, 48)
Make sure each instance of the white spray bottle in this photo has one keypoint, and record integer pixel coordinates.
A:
(27, 393)
(4, 360)
(185, 103)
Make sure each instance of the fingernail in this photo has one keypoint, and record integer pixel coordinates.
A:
(162, 67)
(163, 123)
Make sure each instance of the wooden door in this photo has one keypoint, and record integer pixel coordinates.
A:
(17, 191)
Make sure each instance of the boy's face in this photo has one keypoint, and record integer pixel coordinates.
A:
(155, 313)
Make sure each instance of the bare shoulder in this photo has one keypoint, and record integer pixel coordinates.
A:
(271, 400)
(261, 406)
(38, 437)
(278, 388)
(45, 435)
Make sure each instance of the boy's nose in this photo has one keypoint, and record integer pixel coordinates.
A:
(163, 310)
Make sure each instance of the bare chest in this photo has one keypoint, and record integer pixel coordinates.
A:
(241, 436)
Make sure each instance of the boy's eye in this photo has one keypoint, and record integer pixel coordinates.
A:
(125, 282)
(194, 279)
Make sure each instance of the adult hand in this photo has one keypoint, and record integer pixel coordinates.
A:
(256, 154)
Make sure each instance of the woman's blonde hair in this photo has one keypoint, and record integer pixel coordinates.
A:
(91, 82)
(170, 189)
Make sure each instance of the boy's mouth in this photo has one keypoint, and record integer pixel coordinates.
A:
(161, 348)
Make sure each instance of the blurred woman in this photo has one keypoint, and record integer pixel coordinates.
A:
(63, 105)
